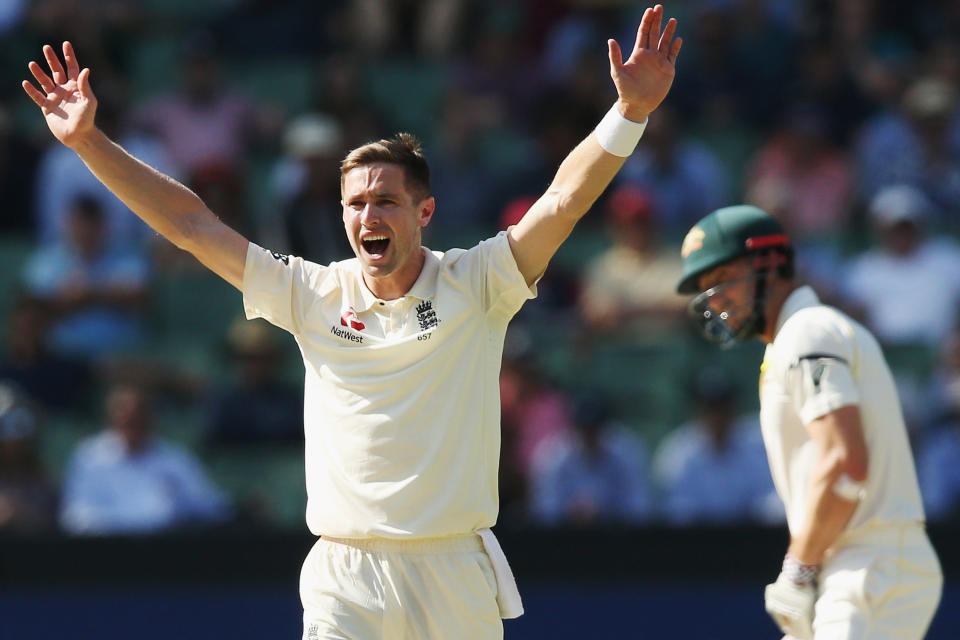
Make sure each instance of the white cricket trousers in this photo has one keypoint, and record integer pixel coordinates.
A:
(378, 589)
(882, 584)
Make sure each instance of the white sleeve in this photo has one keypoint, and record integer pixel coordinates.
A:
(490, 272)
(819, 379)
(280, 288)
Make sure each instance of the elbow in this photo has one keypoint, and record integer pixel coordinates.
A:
(852, 463)
(856, 466)
(186, 231)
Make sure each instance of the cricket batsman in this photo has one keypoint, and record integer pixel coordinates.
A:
(402, 348)
(859, 565)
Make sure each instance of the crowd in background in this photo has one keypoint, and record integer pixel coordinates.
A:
(134, 399)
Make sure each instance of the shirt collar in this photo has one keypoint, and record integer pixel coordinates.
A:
(799, 298)
(424, 288)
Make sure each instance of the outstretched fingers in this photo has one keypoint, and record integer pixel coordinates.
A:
(42, 78)
(616, 56)
(675, 50)
(59, 75)
(664, 45)
(643, 31)
(657, 22)
(34, 94)
(70, 57)
(83, 83)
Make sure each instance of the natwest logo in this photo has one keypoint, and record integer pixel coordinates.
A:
(349, 319)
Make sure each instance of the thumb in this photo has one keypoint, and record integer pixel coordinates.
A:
(616, 56)
(83, 83)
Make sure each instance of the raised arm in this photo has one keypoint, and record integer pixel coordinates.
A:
(175, 212)
(642, 82)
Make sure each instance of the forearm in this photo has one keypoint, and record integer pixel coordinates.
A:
(169, 207)
(581, 178)
(827, 517)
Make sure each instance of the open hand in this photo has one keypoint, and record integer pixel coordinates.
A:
(644, 79)
(67, 102)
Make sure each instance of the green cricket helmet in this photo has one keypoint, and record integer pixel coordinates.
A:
(720, 237)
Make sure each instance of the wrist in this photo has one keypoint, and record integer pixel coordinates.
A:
(632, 113)
(83, 140)
(798, 571)
(618, 135)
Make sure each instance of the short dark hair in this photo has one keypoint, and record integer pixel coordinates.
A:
(403, 149)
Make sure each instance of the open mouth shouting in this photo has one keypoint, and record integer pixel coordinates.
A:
(375, 245)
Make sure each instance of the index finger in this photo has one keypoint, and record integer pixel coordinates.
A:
(73, 68)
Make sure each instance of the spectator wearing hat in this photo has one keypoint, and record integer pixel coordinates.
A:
(629, 285)
(27, 497)
(125, 480)
(712, 469)
(918, 145)
(256, 407)
(907, 288)
(307, 193)
(597, 475)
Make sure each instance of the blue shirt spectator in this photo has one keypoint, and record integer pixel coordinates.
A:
(124, 480)
(94, 290)
(597, 475)
(713, 469)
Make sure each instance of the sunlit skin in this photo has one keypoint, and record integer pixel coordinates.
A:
(377, 203)
(736, 297)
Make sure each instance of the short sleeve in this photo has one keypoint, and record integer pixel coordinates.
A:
(280, 288)
(491, 272)
(819, 377)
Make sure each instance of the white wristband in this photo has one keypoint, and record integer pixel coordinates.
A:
(617, 135)
(847, 489)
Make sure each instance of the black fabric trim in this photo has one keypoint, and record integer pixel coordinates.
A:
(818, 356)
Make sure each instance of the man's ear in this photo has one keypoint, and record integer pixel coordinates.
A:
(427, 206)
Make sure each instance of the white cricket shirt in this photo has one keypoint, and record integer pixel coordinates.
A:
(821, 360)
(402, 398)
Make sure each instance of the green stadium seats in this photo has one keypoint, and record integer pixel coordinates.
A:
(270, 478)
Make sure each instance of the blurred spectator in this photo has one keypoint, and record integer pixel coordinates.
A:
(596, 475)
(18, 161)
(943, 401)
(125, 480)
(306, 192)
(801, 177)
(918, 146)
(630, 285)
(257, 407)
(62, 178)
(908, 287)
(713, 469)
(939, 449)
(56, 382)
(28, 502)
(202, 123)
(939, 473)
(391, 27)
(95, 291)
(531, 410)
(683, 176)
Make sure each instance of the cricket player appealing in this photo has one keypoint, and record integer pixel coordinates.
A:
(402, 349)
(859, 565)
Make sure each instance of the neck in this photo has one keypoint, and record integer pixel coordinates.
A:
(774, 306)
(397, 284)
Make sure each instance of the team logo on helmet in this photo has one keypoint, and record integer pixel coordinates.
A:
(692, 242)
